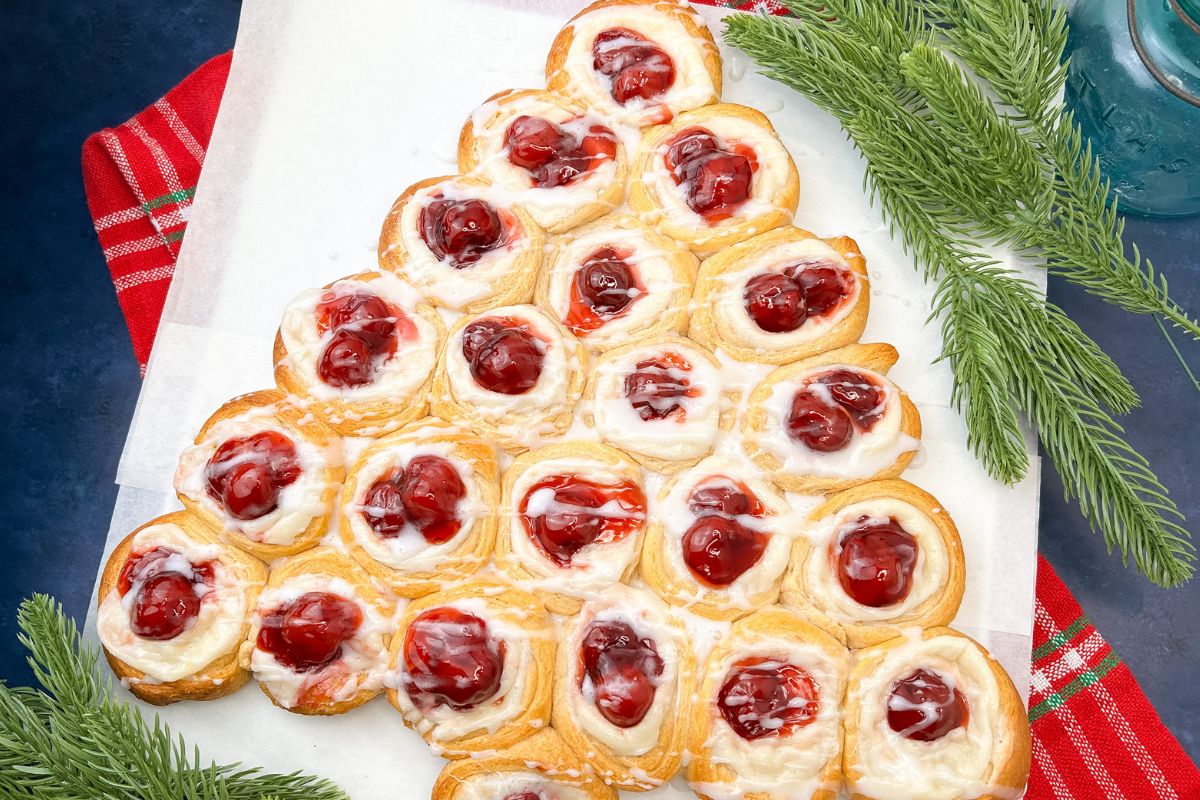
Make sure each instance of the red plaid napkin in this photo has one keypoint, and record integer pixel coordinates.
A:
(1095, 735)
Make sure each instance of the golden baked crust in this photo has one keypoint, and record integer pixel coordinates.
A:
(498, 111)
(711, 323)
(877, 358)
(321, 561)
(516, 609)
(299, 422)
(1008, 771)
(473, 551)
(517, 285)
(703, 238)
(362, 418)
(543, 753)
(221, 676)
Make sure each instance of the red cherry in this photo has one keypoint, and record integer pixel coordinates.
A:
(382, 507)
(347, 360)
(775, 302)
(923, 707)
(720, 495)
(718, 550)
(687, 146)
(551, 155)
(460, 231)
(164, 607)
(526, 796)
(503, 355)
(622, 669)
(533, 142)
(451, 660)
(245, 475)
(875, 562)
(657, 386)
(563, 518)
(762, 698)
(824, 285)
(431, 491)
(365, 315)
(638, 68)
(816, 425)
(140, 567)
(715, 180)
(856, 393)
(308, 633)
(605, 286)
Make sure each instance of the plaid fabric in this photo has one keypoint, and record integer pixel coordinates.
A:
(1095, 735)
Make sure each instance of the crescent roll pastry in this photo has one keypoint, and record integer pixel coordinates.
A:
(173, 607)
(319, 636)
(472, 668)
(719, 541)
(769, 727)
(714, 177)
(264, 472)
(573, 516)
(462, 243)
(541, 767)
(832, 421)
(362, 349)
(563, 165)
(640, 62)
(781, 296)
(879, 557)
(624, 687)
(659, 401)
(419, 507)
(933, 717)
(617, 281)
(511, 374)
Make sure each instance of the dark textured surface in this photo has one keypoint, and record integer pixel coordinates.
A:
(69, 379)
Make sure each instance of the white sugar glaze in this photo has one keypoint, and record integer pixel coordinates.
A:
(492, 785)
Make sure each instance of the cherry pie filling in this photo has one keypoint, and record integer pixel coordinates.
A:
(565, 513)
(365, 331)
(504, 354)
(922, 706)
(781, 302)
(830, 407)
(762, 698)
(718, 548)
(424, 494)
(874, 561)
(451, 660)
(623, 670)
(715, 176)
(167, 595)
(308, 633)
(658, 387)
(246, 474)
(637, 68)
(552, 154)
(460, 232)
(605, 286)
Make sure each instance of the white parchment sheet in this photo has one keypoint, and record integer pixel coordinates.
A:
(331, 110)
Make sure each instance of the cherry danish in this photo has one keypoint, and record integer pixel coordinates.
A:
(637, 67)
(451, 659)
(622, 668)
(246, 474)
(565, 513)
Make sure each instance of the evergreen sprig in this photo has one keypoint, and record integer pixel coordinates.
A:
(73, 740)
(953, 171)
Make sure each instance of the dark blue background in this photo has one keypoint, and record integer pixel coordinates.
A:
(68, 380)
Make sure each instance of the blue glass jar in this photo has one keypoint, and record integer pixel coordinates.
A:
(1134, 86)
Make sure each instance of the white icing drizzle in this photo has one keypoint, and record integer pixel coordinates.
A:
(493, 785)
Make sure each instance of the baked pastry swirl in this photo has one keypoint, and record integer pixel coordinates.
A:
(881, 556)
(832, 421)
(573, 515)
(264, 472)
(510, 374)
(719, 540)
(616, 281)
(659, 401)
(462, 243)
(623, 687)
(714, 177)
(561, 164)
(472, 668)
(781, 296)
(933, 717)
(541, 767)
(362, 350)
(418, 508)
(769, 724)
(173, 607)
(319, 636)
(640, 62)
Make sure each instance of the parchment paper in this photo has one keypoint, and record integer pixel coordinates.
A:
(331, 110)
